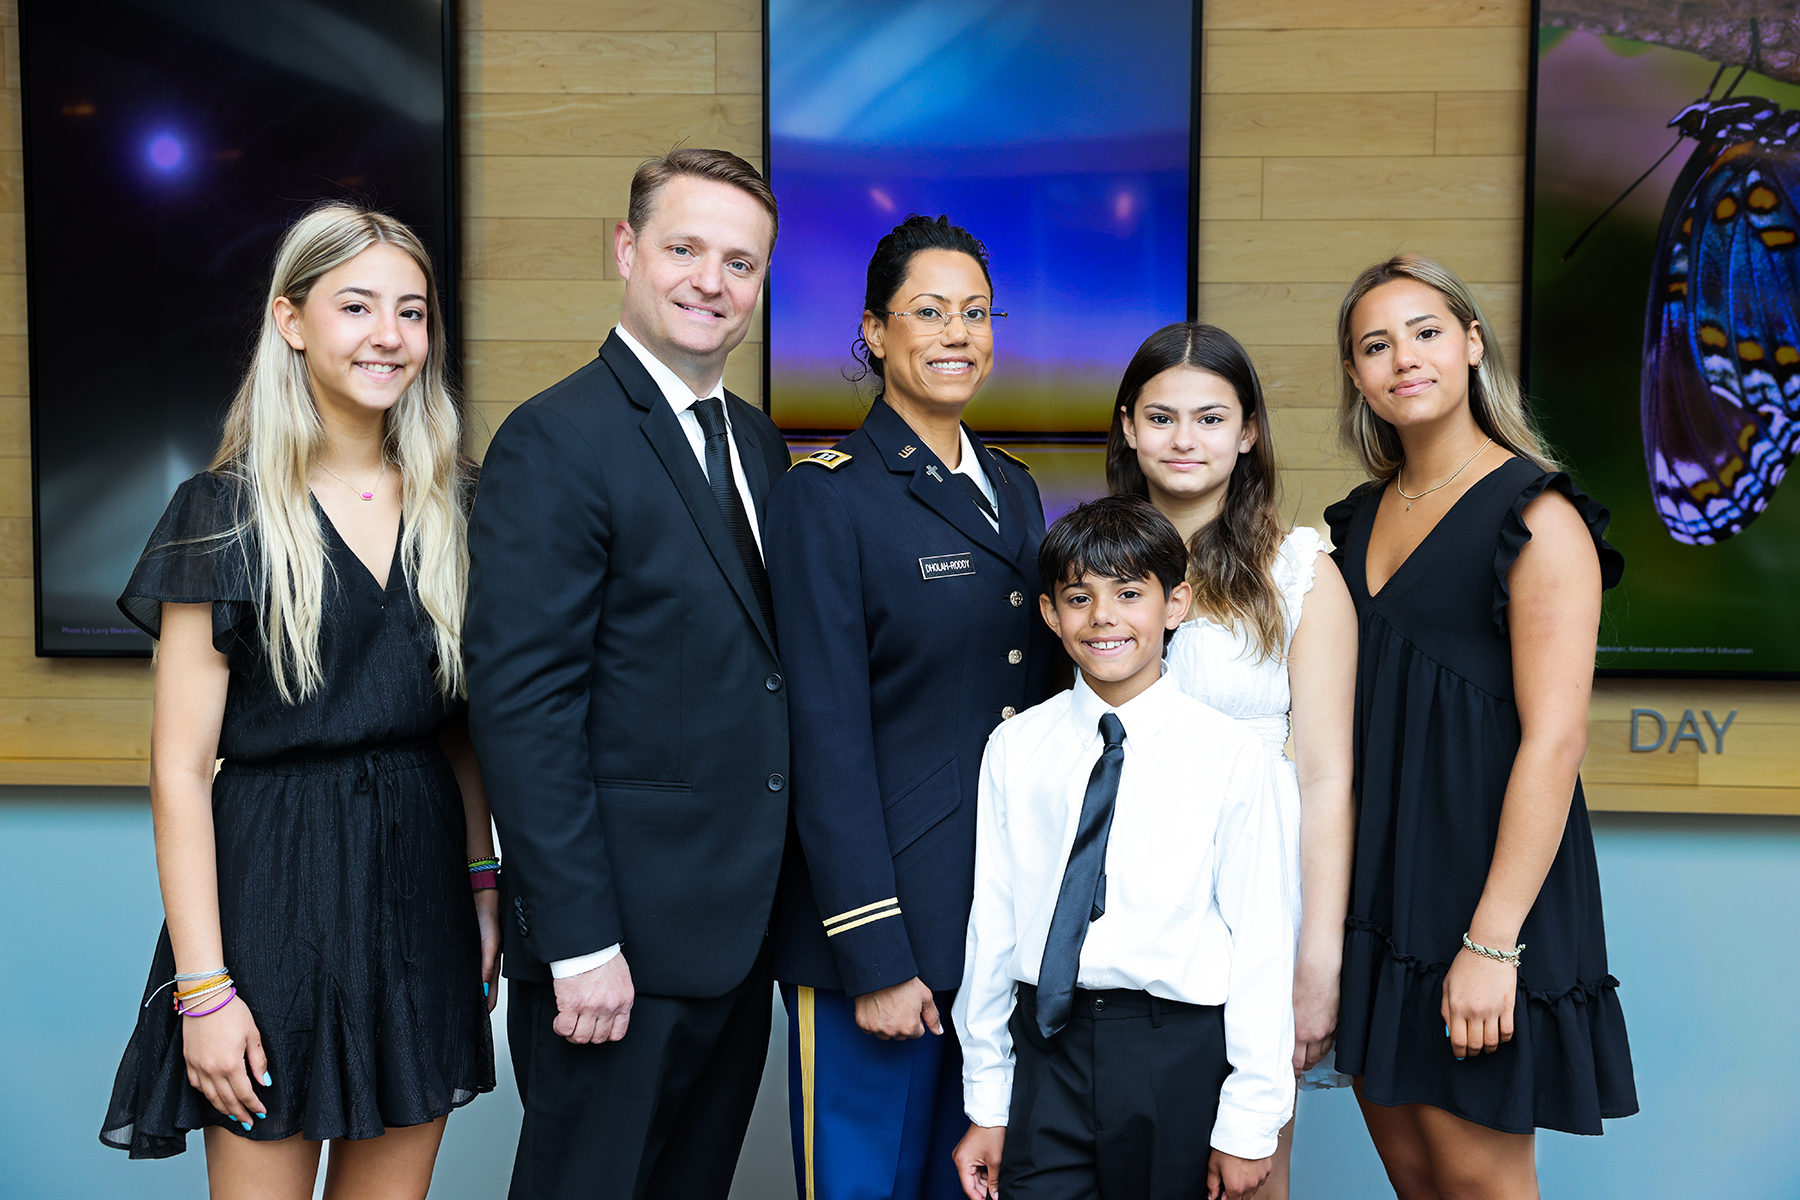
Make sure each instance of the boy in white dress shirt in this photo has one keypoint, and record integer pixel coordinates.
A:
(1127, 984)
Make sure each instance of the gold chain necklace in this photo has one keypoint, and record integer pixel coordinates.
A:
(1397, 485)
(368, 495)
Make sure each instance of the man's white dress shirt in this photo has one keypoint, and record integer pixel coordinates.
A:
(1195, 908)
(681, 398)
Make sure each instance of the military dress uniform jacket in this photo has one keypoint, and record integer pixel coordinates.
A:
(910, 629)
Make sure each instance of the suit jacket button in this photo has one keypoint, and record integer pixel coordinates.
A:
(1017, 598)
(1099, 1004)
(1008, 713)
(776, 783)
(1015, 657)
(773, 683)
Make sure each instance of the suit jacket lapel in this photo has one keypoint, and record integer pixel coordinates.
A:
(905, 452)
(663, 431)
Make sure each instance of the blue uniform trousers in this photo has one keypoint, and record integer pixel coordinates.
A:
(872, 1120)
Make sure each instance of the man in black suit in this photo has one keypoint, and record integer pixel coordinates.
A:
(628, 708)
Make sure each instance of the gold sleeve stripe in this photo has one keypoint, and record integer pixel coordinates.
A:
(857, 912)
(880, 916)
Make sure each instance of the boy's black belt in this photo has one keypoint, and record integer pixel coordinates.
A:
(1115, 1004)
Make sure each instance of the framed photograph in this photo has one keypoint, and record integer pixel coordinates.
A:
(1662, 324)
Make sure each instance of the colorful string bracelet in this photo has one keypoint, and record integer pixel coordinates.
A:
(190, 977)
(484, 873)
(231, 994)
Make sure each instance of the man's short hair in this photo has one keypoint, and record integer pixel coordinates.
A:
(1118, 537)
(720, 166)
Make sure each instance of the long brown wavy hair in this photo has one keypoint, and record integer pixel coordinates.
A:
(1229, 560)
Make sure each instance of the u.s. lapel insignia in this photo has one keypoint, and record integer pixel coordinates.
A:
(933, 472)
(907, 453)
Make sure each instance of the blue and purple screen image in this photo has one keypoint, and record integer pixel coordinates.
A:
(1058, 133)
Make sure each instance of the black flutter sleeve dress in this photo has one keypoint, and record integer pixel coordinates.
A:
(1437, 730)
(344, 899)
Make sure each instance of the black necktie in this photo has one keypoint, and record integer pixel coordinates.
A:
(711, 413)
(1083, 895)
(977, 495)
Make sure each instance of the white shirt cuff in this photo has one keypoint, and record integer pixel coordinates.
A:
(564, 968)
(988, 1103)
(1248, 1135)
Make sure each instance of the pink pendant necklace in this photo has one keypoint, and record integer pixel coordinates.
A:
(368, 495)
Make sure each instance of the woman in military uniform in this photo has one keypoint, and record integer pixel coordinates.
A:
(903, 564)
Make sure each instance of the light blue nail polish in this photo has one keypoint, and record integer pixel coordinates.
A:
(246, 1126)
(484, 988)
(1446, 1031)
(268, 1080)
(1459, 1058)
(261, 1116)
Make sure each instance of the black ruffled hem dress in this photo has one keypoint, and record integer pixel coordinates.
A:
(1436, 734)
(344, 899)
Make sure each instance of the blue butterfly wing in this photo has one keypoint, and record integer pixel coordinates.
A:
(1721, 383)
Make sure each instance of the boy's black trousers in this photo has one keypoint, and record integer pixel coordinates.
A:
(1119, 1105)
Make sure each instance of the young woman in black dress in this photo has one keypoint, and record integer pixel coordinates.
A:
(330, 972)
(1476, 1004)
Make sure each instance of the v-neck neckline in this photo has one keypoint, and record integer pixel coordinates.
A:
(1369, 532)
(368, 573)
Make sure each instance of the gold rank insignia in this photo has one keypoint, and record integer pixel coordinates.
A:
(1005, 453)
(831, 460)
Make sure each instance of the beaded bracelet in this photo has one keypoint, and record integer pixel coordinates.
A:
(1510, 957)
(210, 984)
(201, 993)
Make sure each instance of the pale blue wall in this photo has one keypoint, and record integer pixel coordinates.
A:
(1701, 917)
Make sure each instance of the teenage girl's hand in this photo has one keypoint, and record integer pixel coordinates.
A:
(487, 920)
(1315, 1015)
(1478, 1003)
(218, 1048)
(1229, 1177)
(977, 1159)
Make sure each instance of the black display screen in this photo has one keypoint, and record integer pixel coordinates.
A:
(167, 145)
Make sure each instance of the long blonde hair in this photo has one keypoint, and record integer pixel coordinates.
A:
(273, 435)
(1495, 399)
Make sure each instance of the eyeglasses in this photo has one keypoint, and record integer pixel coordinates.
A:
(929, 319)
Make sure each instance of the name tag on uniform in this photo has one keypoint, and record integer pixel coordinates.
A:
(945, 566)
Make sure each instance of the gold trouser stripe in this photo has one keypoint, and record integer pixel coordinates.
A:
(808, 1056)
(880, 916)
(857, 912)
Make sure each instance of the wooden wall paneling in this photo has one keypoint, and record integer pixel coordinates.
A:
(684, 15)
(642, 125)
(1480, 59)
(1363, 14)
(587, 61)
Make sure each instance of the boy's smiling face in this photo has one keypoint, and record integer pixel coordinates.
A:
(1113, 629)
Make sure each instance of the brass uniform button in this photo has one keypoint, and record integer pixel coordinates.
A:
(1017, 599)
(1008, 713)
(1015, 657)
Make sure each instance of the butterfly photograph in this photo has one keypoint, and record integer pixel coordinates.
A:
(1662, 316)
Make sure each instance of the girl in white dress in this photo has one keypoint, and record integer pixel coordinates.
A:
(1270, 638)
